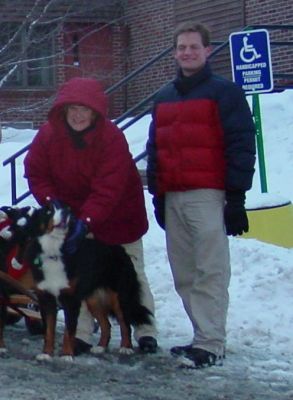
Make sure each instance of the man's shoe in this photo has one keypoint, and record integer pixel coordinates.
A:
(81, 347)
(147, 344)
(193, 357)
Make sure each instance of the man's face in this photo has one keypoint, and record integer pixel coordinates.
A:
(190, 53)
(79, 117)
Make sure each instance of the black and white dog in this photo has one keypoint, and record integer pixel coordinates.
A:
(101, 275)
(16, 278)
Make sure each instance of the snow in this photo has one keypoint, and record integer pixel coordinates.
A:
(259, 328)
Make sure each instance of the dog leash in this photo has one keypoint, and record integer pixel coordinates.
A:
(18, 286)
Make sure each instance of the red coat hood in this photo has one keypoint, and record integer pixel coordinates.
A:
(84, 91)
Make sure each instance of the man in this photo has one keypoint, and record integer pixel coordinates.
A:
(201, 155)
(80, 158)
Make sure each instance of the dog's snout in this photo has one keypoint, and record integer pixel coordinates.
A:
(61, 218)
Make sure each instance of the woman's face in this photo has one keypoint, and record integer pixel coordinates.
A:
(79, 117)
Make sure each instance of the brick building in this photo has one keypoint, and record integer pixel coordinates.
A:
(44, 43)
(111, 39)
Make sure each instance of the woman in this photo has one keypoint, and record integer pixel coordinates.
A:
(79, 157)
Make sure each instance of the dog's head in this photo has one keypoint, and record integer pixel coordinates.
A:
(62, 217)
(47, 218)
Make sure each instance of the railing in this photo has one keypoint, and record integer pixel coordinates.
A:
(145, 102)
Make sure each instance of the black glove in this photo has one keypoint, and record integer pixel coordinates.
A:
(159, 210)
(75, 237)
(235, 217)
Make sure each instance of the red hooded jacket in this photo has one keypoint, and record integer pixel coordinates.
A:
(100, 182)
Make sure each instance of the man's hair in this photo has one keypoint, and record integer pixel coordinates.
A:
(191, 26)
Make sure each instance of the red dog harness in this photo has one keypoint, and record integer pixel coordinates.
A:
(14, 268)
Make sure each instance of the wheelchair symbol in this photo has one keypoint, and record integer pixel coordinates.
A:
(248, 53)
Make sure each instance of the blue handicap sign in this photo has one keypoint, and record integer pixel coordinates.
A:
(251, 60)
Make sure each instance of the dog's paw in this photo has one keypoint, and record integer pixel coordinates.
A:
(184, 362)
(67, 359)
(44, 357)
(98, 350)
(126, 350)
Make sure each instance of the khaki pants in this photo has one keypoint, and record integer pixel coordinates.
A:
(85, 324)
(198, 251)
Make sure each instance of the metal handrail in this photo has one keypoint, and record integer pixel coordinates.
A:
(147, 100)
(136, 72)
(16, 155)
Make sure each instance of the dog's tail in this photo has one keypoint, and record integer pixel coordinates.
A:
(129, 289)
(130, 298)
(138, 315)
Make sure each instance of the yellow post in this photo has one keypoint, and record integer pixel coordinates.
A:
(272, 224)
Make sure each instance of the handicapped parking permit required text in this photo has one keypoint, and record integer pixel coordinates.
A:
(251, 75)
(251, 60)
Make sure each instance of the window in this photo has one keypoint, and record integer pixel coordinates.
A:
(26, 56)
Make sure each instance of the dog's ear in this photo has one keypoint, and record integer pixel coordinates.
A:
(37, 220)
(57, 204)
(24, 215)
(25, 210)
(45, 216)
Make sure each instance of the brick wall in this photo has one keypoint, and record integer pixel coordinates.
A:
(120, 50)
(151, 25)
(29, 105)
(271, 13)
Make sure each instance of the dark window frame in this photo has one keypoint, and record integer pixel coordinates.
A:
(34, 69)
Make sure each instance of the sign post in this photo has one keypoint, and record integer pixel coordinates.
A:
(252, 70)
(259, 141)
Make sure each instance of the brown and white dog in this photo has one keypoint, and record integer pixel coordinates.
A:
(101, 275)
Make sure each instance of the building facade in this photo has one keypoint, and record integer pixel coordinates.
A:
(43, 44)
